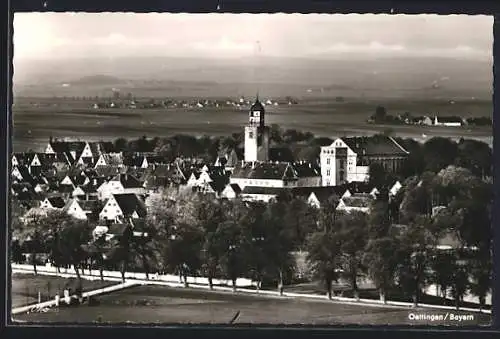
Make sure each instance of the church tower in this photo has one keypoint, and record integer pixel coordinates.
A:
(256, 134)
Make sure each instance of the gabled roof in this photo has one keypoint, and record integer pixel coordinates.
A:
(57, 202)
(101, 147)
(133, 160)
(377, 145)
(450, 119)
(234, 157)
(236, 188)
(107, 171)
(67, 146)
(357, 201)
(130, 203)
(322, 193)
(128, 181)
(274, 171)
(157, 159)
(263, 190)
(281, 154)
(117, 229)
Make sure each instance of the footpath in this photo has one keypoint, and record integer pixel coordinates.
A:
(244, 286)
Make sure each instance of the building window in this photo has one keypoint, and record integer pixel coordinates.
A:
(341, 164)
(250, 135)
(328, 161)
(327, 172)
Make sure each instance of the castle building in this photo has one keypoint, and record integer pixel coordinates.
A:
(348, 159)
(256, 135)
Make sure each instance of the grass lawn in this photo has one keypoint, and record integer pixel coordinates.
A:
(369, 292)
(25, 287)
(158, 304)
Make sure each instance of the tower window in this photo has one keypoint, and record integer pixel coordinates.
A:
(250, 134)
(328, 172)
(328, 161)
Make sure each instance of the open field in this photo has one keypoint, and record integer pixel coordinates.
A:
(25, 287)
(155, 304)
(34, 125)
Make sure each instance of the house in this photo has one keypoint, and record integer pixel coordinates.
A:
(123, 206)
(355, 203)
(316, 196)
(121, 183)
(231, 191)
(263, 194)
(208, 188)
(448, 121)
(109, 159)
(395, 189)
(348, 159)
(56, 202)
(282, 175)
(82, 210)
(118, 229)
(136, 161)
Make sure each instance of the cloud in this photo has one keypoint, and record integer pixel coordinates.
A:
(377, 48)
(373, 46)
(111, 39)
(224, 45)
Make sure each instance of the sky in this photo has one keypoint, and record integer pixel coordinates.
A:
(73, 35)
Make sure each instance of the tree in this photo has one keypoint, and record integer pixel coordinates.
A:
(34, 233)
(182, 248)
(324, 247)
(279, 239)
(438, 153)
(379, 177)
(416, 250)
(353, 238)
(231, 232)
(210, 214)
(143, 248)
(379, 218)
(73, 235)
(380, 114)
(476, 156)
(97, 251)
(121, 145)
(324, 255)
(381, 263)
(459, 283)
(481, 270)
(121, 249)
(417, 197)
(415, 162)
(442, 270)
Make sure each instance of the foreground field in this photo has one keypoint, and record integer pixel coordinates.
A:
(155, 304)
(34, 125)
(25, 287)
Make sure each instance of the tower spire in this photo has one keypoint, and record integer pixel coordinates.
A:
(257, 55)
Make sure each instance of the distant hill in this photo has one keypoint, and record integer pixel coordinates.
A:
(99, 80)
(408, 76)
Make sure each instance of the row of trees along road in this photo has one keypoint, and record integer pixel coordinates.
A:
(194, 234)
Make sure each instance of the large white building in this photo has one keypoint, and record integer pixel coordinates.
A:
(349, 159)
